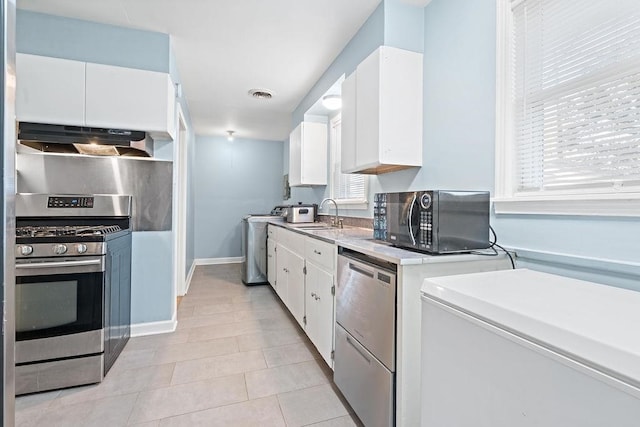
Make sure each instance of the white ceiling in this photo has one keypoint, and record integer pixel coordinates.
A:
(224, 48)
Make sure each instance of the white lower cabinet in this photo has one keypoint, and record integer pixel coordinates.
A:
(282, 278)
(319, 309)
(271, 262)
(301, 270)
(295, 286)
(289, 272)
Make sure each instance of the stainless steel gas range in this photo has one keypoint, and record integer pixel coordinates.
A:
(73, 288)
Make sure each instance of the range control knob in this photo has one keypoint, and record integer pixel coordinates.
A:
(81, 248)
(60, 249)
(26, 250)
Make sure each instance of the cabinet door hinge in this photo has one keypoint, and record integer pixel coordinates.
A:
(304, 320)
(304, 270)
(333, 353)
(333, 290)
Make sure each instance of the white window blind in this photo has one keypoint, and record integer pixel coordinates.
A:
(345, 188)
(576, 95)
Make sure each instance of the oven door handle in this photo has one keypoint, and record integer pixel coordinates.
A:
(60, 264)
(93, 265)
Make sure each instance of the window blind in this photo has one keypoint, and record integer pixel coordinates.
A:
(576, 94)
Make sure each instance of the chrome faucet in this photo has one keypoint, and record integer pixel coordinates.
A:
(336, 222)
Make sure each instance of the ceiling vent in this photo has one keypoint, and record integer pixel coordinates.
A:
(260, 94)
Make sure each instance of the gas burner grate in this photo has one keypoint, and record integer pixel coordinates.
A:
(55, 231)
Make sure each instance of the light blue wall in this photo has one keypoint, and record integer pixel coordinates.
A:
(151, 277)
(152, 263)
(403, 25)
(459, 146)
(232, 179)
(48, 35)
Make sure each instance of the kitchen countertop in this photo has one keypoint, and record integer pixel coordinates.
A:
(360, 239)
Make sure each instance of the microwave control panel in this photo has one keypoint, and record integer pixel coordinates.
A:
(380, 216)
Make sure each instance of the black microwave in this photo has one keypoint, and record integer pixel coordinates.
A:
(433, 221)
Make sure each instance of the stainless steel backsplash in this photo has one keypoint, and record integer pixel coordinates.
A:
(148, 181)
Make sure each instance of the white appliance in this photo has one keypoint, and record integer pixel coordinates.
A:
(523, 348)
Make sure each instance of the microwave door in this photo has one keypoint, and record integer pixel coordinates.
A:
(402, 218)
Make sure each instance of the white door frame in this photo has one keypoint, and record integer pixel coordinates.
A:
(180, 204)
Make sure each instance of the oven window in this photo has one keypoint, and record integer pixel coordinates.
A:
(35, 311)
(54, 305)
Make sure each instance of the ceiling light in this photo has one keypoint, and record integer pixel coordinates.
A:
(230, 135)
(332, 102)
(260, 94)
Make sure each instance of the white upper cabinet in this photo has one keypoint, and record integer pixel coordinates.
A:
(118, 97)
(348, 125)
(384, 133)
(61, 91)
(308, 154)
(49, 90)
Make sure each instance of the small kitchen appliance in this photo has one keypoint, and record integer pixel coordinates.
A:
(302, 213)
(434, 221)
(73, 288)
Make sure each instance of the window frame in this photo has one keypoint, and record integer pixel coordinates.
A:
(355, 204)
(618, 202)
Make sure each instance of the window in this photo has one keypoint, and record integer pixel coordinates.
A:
(568, 107)
(346, 189)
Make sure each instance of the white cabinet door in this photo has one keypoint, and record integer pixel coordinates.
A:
(271, 262)
(296, 287)
(118, 97)
(49, 90)
(348, 128)
(308, 154)
(282, 278)
(295, 156)
(320, 308)
(368, 111)
(382, 127)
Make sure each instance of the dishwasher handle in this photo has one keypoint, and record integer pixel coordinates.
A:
(361, 270)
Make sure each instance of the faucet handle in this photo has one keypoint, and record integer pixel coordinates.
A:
(340, 223)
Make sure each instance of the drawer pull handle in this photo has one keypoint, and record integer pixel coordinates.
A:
(364, 356)
(317, 252)
(313, 294)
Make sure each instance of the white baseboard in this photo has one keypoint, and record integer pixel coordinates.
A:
(153, 328)
(211, 261)
(187, 282)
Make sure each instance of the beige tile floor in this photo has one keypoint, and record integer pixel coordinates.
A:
(237, 358)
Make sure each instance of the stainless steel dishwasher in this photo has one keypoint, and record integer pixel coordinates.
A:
(364, 365)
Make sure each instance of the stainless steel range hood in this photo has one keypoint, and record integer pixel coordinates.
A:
(85, 140)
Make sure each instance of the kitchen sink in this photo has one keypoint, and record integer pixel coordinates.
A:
(316, 227)
(312, 226)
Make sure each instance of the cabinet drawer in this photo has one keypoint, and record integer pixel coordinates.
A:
(365, 382)
(291, 240)
(319, 252)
